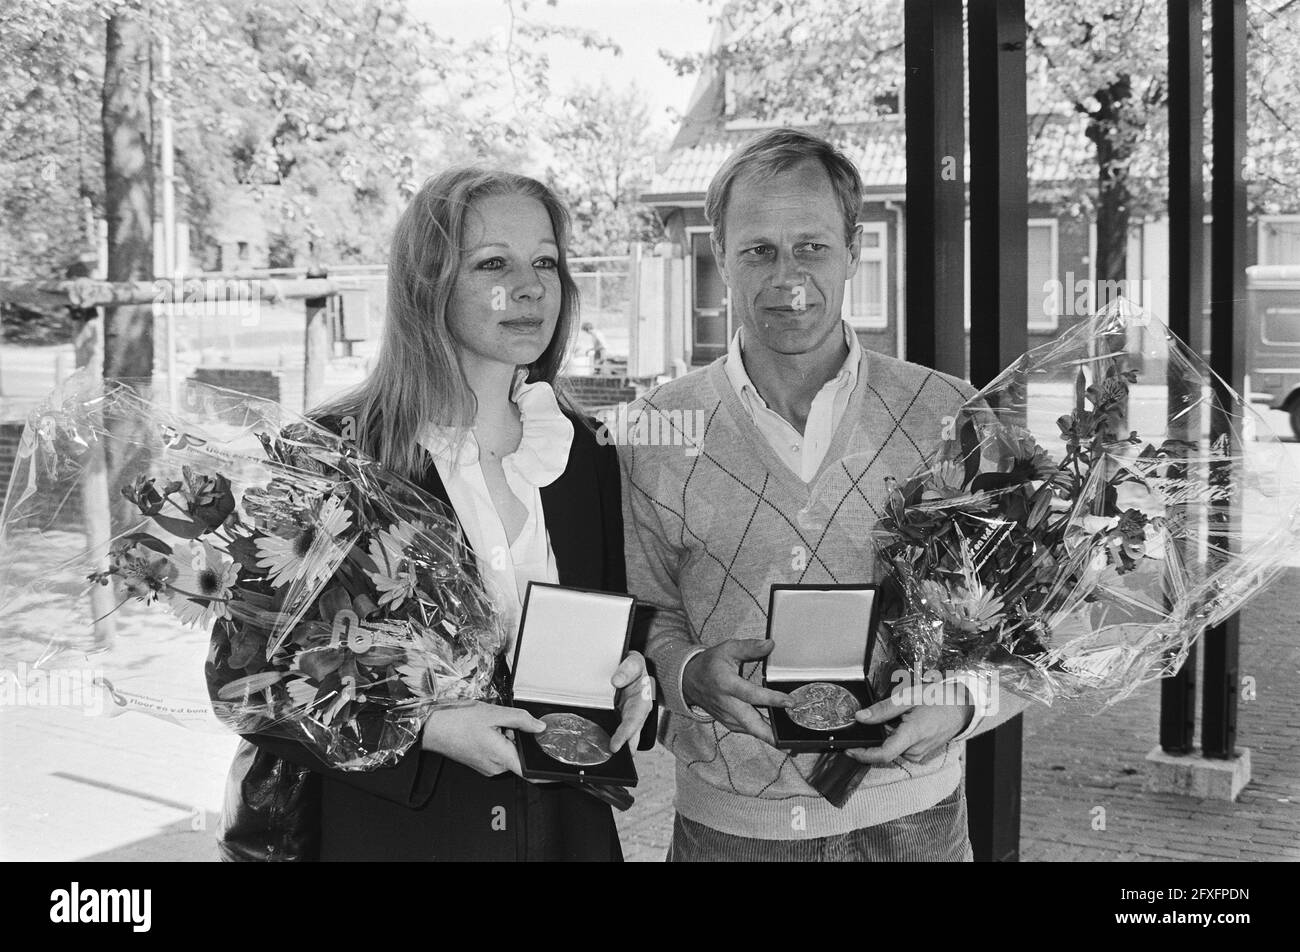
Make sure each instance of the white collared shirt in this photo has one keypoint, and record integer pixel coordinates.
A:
(802, 453)
(542, 455)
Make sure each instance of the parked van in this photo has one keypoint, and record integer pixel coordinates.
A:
(1273, 294)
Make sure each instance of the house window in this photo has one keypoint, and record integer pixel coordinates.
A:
(887, 103)
(1044, 288)
(1279, 240)
(243, 251)
(1044, 279)
(866, 293)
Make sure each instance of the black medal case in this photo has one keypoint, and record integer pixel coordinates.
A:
(569, 645)
(822, 633)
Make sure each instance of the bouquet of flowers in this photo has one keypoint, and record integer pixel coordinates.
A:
(342, 600)
(1086, 516)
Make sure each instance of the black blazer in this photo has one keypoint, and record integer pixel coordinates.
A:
(584, 520)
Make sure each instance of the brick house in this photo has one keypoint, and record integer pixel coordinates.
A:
(1061, 246)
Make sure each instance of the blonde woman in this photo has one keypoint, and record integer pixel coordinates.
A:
(462, 401)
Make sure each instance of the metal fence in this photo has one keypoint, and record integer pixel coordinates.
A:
(605, 302)
(212, 320)
(269, 334)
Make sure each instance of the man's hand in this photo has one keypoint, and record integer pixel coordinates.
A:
(925, 729)
(478, 735)
(712, 680)
(636, 698)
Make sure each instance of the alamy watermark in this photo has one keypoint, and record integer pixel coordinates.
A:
(80, 905)
(1084, 297)
(231, 298)
(648, 426)
(55, 687)
(933, 687)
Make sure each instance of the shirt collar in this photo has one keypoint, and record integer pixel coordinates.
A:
(846, 377)
(543, 451)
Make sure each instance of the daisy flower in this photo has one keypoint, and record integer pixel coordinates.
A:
(202, 594)
(312, 553)
(302, 695)
(390, 550)
(968, 610)
(946, 479)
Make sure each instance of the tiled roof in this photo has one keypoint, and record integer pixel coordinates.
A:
(878, 149)
(878, 153)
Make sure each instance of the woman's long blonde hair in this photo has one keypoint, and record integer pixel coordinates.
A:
(417, 376)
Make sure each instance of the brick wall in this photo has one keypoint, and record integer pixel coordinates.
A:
(46, 513)
(10, 433)
(254, 381)
(597, 393)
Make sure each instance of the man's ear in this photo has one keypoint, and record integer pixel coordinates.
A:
(855, 249)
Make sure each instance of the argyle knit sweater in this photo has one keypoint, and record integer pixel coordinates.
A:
(711, 524)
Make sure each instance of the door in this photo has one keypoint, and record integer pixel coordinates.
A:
(709, 328)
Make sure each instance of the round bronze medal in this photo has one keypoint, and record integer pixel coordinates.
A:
(572, 739)
(823, 706)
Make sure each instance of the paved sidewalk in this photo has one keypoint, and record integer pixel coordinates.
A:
(133, 788)
(1073, 765)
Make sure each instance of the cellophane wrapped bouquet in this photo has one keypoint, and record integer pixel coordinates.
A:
(335, 603)
(1087, 516)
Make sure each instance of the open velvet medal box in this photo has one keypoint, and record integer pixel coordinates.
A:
(570, 643)
(824, 636)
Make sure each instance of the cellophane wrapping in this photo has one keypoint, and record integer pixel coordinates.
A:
(257, 571)
(1087, 516)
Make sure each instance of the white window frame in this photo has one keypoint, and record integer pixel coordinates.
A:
(1041, 321)
(1260, 225)
(879, 254)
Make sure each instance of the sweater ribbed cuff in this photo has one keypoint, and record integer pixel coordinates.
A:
(671, 664)
(977, 686)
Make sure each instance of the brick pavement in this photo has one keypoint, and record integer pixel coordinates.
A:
(78, 787)
(1074, 764)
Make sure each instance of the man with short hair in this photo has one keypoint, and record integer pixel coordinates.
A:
(803, 428)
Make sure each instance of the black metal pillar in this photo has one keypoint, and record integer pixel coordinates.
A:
(999, 187)
(1186, 292)
(999, 230)
(936, 184)
(1227, 357)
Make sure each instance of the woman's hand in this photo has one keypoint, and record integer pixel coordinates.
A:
(636, 698)
(477, 735)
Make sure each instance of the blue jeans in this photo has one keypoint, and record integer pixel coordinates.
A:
(938, 834)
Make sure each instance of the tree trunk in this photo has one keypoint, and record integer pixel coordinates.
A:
(128, 190)
(128, 330)
(1107, 131)
(1112, 217)
(95, 498)
(1114, 152)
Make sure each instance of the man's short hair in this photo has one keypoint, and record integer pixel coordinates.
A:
(778, 151)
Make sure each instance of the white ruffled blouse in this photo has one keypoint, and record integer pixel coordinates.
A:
(542, 455)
